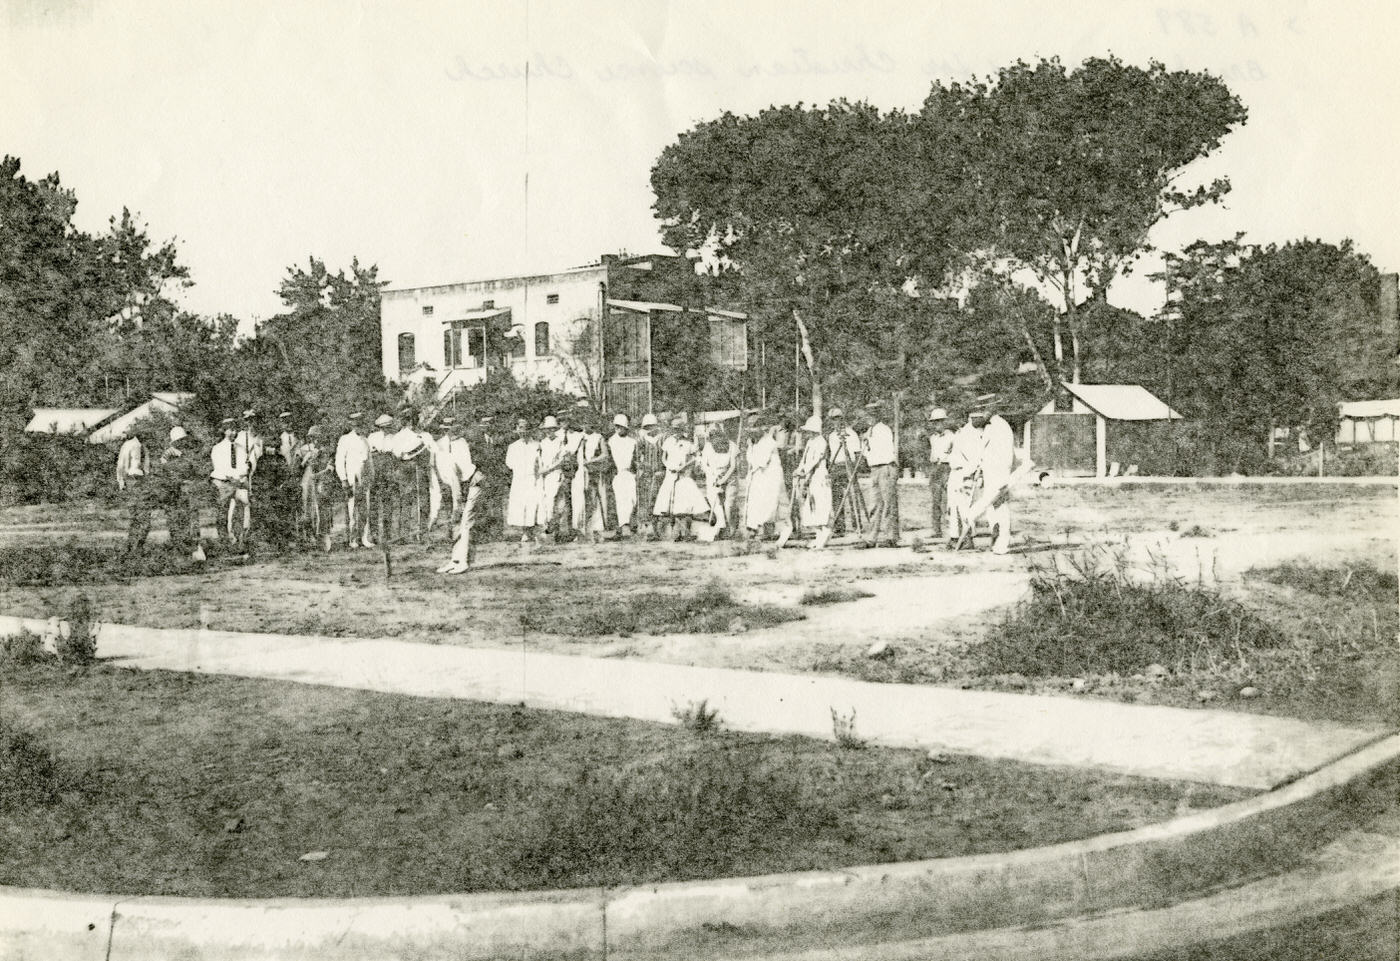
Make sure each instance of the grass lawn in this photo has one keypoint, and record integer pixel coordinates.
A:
(132, 782)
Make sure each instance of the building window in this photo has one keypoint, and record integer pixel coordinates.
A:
(407, 361)
(729, 343)
(551, 299)
(542, 339)
(427, 310)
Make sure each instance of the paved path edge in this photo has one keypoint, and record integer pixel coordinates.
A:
(996, 905)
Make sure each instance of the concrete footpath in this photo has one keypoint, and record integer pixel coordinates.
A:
(1210, 746)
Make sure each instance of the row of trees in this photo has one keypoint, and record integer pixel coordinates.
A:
(944, 250)
(965, 247)
(90, 319)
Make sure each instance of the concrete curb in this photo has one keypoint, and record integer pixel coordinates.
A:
(955, 907)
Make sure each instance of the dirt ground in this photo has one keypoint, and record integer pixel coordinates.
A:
(923, 598)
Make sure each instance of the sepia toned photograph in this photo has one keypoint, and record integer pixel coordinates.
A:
(747, 480)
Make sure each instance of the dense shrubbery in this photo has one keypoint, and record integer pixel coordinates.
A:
(695, 815)
(39, 468)
(1095, 618)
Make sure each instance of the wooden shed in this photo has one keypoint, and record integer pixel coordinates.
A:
(1107, 425)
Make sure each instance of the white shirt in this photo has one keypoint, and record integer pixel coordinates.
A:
(351, 455)
(457, 454)
(552, 450)
(247, 449)
(842, 444)
(406, 443)
(622, 449)
(998, 449)
(879, 446)
(131, 461)
(940, 445)
(965, 454)
(225, 465)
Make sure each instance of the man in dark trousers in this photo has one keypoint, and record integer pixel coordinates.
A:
(940, 446)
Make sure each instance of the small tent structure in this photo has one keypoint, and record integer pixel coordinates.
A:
(1107, 424)
(75, 421)
(1368, 422)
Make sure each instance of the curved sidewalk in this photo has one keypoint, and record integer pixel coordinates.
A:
(1210, 746)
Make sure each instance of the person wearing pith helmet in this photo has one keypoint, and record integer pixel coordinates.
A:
(623, 448)
(940, 444)
(180, 474)
(553, 438)
(813, 478)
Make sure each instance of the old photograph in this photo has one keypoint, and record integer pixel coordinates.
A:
(743, 480)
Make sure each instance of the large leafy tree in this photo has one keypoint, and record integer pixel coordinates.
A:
(815, 224)
(1071, 169)
(1261, 336)
(320, 358)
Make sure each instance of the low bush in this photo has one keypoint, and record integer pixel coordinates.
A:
(697, 717)
(843, 728)
(712, 609)
(1358, 581)
(29, 774)
(832, 595)
(77, 647)
(1096, 618)
(700, 814)
(22, 650)
(57, 565)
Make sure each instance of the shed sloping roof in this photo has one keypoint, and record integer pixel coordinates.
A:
(118, 428)
(1123, 401)
(1370, 408)
(68, 420)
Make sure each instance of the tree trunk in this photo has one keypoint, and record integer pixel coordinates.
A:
(805, 345)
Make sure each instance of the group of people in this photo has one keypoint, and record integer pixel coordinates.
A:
(564, 479)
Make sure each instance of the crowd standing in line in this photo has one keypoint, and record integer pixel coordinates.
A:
(563, 479)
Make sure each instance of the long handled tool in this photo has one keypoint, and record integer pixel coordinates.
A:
(852, 497)
(988, 500)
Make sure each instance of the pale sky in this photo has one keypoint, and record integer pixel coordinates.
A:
(260, 132)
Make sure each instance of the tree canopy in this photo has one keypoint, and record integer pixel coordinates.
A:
(1069, 170)
(826, 220)
(1257, 336)
(807, 209)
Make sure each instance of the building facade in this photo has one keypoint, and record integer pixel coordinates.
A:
(607, 331)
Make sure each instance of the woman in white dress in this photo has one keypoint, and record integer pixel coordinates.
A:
(717, 463)
(523, 461)
(679, 497)
(812, 471)
(767, 490)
